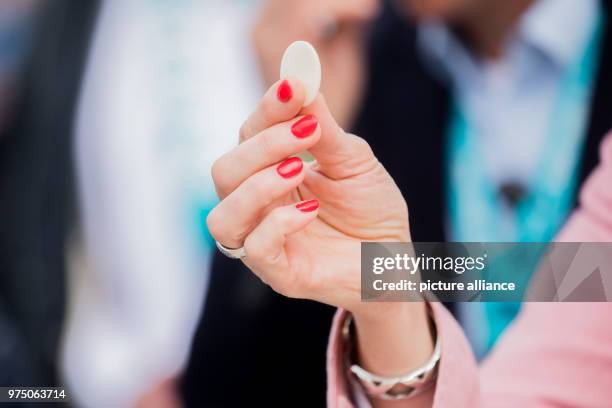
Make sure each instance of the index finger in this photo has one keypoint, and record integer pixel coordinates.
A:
(282, 102)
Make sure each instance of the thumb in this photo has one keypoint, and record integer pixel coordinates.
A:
(338, 154)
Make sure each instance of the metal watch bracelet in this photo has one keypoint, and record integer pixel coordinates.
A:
(397, 387)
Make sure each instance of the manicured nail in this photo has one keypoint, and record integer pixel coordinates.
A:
(290, 167)
(284, 93)
(305, 126)
(308, 206)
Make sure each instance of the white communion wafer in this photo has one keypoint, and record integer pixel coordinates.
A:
(302, 62)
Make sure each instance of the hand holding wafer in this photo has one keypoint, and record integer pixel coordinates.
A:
(301, 224)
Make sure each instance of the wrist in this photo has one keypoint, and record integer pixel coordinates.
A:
(380, 314)
(393, 338)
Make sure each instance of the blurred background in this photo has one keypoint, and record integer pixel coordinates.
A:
(111, 114)
(487, 113)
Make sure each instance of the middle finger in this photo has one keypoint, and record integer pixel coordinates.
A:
(262, 150)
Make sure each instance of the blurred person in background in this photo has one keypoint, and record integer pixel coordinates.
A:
(166, 87)
(487, 114)
(103, 187)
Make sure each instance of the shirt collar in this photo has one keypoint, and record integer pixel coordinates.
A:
(539, 28)
(542, 27)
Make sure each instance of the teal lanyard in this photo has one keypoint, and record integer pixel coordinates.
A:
(474, 204)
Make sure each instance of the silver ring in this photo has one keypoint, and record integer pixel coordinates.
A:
(237, 253)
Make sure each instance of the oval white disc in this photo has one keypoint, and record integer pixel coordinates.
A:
(302, 61)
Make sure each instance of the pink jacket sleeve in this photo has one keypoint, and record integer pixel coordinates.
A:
(554, 354)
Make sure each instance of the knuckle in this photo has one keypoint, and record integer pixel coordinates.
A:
(267, 145)
(268, 108)
(226, 230)
(244, 131)
(213, 222)
(361, 145)
(219, 173)
(258, 185)
(280, 216)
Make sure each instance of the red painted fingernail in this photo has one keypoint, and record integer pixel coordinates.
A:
(284, 93)
(305, 126)
(308, 206)
(290, 167)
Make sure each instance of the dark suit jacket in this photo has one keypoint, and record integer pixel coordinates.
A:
(254, 346)
(36, 195)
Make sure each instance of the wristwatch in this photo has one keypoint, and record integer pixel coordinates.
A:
(392, 388)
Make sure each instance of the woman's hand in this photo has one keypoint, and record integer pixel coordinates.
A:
(298, 249)
(302, 224)
(336, 30)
